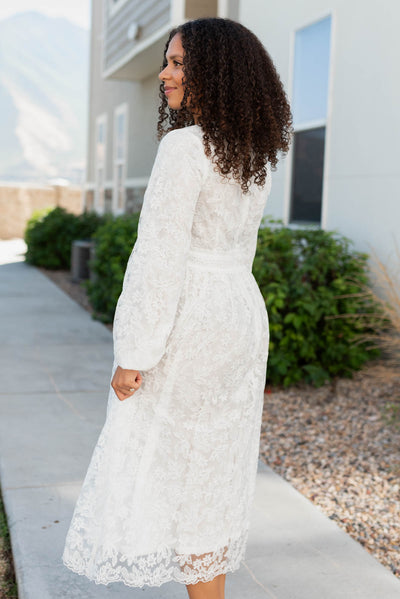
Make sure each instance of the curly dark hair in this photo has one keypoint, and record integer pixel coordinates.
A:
(244, 111)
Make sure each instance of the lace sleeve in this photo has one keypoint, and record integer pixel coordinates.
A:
(156, 268)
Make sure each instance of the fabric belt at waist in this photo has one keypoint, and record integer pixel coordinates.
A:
(216, 260)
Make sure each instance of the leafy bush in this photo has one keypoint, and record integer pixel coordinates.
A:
(114, 242)
(309, 277)
(50, 233)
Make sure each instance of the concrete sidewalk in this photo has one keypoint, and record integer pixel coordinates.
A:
(55, 365)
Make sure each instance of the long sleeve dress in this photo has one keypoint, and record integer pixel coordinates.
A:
(169, 489)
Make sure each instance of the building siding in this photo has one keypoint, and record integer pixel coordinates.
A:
(361, 198)
(151, 15)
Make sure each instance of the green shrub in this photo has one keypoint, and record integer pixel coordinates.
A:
(308, 277)
(50, 233)
(114, 242)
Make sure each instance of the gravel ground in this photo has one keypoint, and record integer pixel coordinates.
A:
(338, 445)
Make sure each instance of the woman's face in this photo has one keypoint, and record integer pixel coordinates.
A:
(172, 75)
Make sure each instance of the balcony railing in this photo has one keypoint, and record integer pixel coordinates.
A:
(135, 32)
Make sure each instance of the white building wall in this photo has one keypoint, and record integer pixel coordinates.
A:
(362, 159)
(143, 141)
(141, 100)
(103, 96)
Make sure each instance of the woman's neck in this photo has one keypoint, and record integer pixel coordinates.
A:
(196, 116)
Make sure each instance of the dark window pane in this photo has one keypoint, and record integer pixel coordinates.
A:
(308, 170)
(108, 200)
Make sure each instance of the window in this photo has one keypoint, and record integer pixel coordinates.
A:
(100, 160)
(307, 175)
(89, 200)
(120, 132)
(309, 106)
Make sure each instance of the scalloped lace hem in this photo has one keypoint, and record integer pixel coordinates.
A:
(156, 569)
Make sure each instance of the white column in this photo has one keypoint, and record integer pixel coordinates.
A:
(177, 11)
(223, 8)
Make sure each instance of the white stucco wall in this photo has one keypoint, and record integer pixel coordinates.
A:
(143, 141)
(362, 159)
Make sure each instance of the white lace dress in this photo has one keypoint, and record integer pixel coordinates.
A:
(170, 485)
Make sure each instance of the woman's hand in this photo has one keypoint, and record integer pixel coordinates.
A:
(125, 382)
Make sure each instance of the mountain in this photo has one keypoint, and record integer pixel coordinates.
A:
(43, 98)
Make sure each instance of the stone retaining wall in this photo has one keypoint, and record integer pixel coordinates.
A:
(17, 204)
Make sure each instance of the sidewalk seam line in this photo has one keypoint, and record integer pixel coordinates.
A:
(250, 571)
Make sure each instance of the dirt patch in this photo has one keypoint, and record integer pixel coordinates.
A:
(8, 585)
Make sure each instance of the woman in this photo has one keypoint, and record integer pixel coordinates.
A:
(170, 486)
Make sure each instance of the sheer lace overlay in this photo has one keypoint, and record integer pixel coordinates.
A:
(169, 489)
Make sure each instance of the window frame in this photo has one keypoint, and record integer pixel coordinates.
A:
(101, 119)
(120, 162)
(311, 124)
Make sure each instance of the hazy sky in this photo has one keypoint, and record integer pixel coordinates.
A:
(74, 10)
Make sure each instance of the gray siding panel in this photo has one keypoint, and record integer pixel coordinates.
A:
(151, 15)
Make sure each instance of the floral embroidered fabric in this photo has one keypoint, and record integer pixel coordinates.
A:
(169, 489)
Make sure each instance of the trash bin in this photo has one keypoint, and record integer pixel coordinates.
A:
(80, 256)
